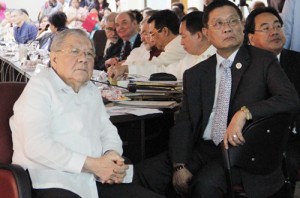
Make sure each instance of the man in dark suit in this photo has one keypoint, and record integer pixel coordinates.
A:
(127, 30)
(263, 29)
(258, 87)
(103, 39)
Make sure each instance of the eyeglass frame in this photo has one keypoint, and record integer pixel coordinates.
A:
(110, 29)
(75, 52)
(152, 34)
(277, 26)
(229, 22)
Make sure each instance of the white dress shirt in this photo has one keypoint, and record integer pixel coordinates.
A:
(178, 68)
(137, 54)
(54, 129)
(172, 53)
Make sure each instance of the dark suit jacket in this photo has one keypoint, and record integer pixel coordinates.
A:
(115, 51)
(290, 62)
(99, 39)
(260, 84)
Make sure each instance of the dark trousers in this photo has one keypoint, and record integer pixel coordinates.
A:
(206, 166)
(104, 191)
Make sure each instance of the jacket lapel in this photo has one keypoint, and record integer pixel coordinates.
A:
(239, 66)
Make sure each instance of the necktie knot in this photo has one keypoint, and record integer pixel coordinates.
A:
(226, 63)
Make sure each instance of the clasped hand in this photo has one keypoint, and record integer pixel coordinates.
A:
(110, 168)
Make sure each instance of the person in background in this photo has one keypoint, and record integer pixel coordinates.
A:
(2, 11)
(79, 159)
(192, 9)
(50, 7)
(163, 31)
(7, 33)
(99, 5)
(291, 26)
(276, 4)
(103, 39)
(126, 27)
(194, 43)
(178, 8)
(75, 15)
(43, 27)
(57, 23)
(118, 6)
(257, 4)
(23, 32)
(147, 50)
(194, 164)
(263, 29)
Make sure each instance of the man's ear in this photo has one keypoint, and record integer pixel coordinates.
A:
(199, 35)
(251, 39)
(53, 60)
(165, 31)
(205, 33)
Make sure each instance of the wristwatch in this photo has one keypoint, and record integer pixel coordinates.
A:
(247, 112)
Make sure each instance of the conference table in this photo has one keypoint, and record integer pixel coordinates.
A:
(143, 136)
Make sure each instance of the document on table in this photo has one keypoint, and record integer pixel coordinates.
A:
(121, 110)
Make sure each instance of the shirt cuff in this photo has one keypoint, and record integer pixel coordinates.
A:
(76, 163)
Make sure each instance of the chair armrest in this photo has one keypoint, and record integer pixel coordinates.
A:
(14, 181)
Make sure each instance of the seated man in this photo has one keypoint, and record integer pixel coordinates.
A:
(163, 30)
(147, 50)
(126, 27)
(61, 132)
(263, 29)
(220, 94)
(23, 31)
(194, 42)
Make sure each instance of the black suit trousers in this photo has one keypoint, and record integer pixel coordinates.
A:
(206, 166)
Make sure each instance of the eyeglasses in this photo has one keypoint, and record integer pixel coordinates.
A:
(75, 52)
(152, 34)
(110, 29)
(218, 24)
(267, 28)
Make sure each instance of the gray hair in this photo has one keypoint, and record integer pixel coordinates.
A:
(60, 37)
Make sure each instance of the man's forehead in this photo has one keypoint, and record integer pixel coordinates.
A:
(122, 17)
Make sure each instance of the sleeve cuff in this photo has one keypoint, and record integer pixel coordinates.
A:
(76, 163)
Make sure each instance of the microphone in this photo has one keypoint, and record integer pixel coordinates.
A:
(131, 87)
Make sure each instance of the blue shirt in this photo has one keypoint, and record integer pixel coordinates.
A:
(25, 33)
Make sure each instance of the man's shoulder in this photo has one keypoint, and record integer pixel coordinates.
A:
(203, 65)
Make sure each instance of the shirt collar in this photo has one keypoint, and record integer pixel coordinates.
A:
(231, 57)
(131, 40)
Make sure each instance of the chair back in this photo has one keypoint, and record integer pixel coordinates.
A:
(266, 140)
(9, 93)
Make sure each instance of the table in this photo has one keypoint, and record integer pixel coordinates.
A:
(11, 71)
(144, 136)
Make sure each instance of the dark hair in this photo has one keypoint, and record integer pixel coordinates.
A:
(218, 4)
(165, 18)
(58, 19)
(193, 21)
(97, 4)
(250, 21)
(137, 15)
(179, 5)
(24, 11)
